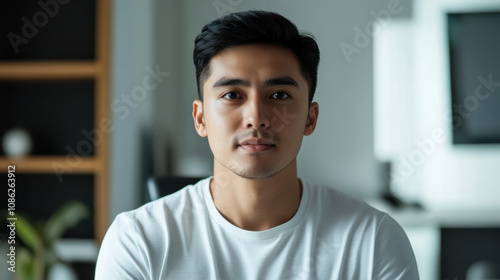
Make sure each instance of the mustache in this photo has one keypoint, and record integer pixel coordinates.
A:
(256, 134)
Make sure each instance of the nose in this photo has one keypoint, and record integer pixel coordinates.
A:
(256, 114)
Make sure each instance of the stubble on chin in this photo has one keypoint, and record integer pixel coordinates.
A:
(255, 173)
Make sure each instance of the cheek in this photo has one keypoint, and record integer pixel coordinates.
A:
(289, 120)
(220, 121)
(296, 131)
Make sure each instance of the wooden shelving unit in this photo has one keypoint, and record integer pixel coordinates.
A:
(96, 70)
(48, 70)
(49, 164)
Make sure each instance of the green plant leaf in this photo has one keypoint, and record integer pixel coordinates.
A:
(28, 234)
(25, 264)
(65, 217)
(51, 257)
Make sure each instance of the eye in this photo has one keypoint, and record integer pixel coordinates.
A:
(231, 95)
(281, 95)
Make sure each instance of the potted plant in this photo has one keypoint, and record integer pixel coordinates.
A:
(36, 259)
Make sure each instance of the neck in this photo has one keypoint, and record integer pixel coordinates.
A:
(256, 204)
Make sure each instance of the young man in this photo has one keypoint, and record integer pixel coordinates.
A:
(254, 218)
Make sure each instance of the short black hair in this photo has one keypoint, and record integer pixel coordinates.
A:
(255, 27)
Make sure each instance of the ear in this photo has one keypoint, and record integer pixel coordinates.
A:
(199, 120)
(312, 119)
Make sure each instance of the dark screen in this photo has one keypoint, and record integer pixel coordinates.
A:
(474, 43)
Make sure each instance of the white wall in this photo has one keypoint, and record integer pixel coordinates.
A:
(132, 51)
(340, 152)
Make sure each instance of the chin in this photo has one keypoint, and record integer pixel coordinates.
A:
(257, 173)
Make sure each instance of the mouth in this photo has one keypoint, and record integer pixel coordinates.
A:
(256, 147)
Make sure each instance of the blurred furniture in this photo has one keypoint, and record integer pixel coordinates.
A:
(447, 244)
(161, 186)
(486, 269)
(470, 253)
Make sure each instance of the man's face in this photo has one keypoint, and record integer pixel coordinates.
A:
(255, 110)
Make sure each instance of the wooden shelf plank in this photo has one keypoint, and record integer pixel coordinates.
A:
(51, 164)
(48, 70)
(102, 112)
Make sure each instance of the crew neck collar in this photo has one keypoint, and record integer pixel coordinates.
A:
(255, 235)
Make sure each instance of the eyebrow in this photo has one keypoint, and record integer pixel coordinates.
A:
(231, 82)
(279, 81)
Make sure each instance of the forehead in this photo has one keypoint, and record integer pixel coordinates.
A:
(255, 61)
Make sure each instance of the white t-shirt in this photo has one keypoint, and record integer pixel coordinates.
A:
(183, 236)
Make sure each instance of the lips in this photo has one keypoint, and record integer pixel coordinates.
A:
(256, 145)
(256, 141)
(256, 148)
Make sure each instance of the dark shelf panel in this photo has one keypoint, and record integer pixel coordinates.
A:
(84, 270)
(57, 114)
(30, 31)
(38, 196)
(462, 247)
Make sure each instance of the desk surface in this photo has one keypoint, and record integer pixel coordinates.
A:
(409, 217)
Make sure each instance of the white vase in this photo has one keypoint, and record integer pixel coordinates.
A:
(61, 271)
(17, 142)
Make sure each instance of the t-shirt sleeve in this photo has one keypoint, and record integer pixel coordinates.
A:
(394, 258)
(123, 253)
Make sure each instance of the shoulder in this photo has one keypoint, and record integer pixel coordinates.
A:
(138, 238)
(340, 206)
(341, 210)
(170, 207)
(170, 215)
(358, 226)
